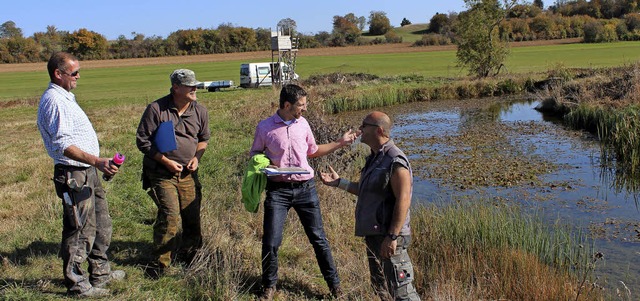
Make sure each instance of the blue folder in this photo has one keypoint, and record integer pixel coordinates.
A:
(165, 139)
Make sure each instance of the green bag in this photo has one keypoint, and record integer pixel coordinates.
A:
(254, 182)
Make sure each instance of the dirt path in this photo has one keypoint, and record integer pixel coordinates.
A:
(330, 51)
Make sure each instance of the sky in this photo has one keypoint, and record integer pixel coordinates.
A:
(161, 17)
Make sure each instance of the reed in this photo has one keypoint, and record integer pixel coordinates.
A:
(498, 251)
(617, 129)
(392, 91)
(605, 102)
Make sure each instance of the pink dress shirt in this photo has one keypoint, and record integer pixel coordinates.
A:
(285, 145)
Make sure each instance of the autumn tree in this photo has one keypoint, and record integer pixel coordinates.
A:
(10, 30)
(288, 26)
(480, 48)
(438, 23)
(14, 47)
(50, 41)
(243, 39)
(323, 37)
(263, 38)
(379, 23)
(345, 30)
(18, 50)
(360, 22)
(538, 3)
(188, 41)
(86, 44)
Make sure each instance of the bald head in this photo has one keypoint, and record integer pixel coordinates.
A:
(382, 120)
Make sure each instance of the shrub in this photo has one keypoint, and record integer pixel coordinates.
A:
(632, 21)
(609, 33)
(432, 39)
(392, 37)
(377, 41)
(593, 31)
(508, 86)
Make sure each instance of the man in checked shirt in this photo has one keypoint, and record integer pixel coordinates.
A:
(72, 143)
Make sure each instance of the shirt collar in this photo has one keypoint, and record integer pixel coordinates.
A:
(65, 93)
(278, 119)
(385, 147)
(172, 106)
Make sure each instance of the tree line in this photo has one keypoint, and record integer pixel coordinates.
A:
(595, 21)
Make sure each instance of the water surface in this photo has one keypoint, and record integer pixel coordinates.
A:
(562, 178)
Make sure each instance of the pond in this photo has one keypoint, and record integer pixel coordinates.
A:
(505, 151)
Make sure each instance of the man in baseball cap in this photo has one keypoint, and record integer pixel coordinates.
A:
(184, 77)
(170, 170)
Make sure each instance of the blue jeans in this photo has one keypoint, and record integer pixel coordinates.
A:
(303, 198)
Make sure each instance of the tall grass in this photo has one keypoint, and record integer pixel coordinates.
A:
(608, 106)
(499, 252)
(392, 91)
(619, 132)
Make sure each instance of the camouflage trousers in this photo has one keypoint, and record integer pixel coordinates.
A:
(391, 278)
(178, 199)
(86, 227)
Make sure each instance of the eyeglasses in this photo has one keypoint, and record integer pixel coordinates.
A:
(365, 124)
(75, 73)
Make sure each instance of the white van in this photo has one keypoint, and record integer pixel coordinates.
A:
(253, 75)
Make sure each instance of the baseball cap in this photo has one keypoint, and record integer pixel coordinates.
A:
(184, 77)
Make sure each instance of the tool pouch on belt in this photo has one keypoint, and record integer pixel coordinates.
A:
(402, 267)
(71, 187)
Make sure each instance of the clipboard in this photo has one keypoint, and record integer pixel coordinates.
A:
(165, 139)
(285, 171)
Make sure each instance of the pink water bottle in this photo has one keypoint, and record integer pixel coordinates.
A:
(117, 160)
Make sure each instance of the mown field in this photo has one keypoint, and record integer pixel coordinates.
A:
(114, 97)
(104, 79)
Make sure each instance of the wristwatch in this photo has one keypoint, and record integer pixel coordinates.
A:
(392, 236)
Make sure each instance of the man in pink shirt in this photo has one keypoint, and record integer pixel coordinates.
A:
(286, 139)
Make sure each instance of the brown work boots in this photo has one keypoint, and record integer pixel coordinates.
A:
(94, 292)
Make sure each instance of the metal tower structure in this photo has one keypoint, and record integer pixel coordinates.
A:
(284, 50)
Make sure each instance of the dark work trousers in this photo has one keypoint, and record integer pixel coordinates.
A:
(86, 227)
(391, 278)
(303, 198)
(178, 198)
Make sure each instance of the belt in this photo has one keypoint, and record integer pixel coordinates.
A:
(71, 167)
(290, 185)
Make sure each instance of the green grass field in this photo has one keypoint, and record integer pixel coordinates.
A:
(409, 33)
(144, 82)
